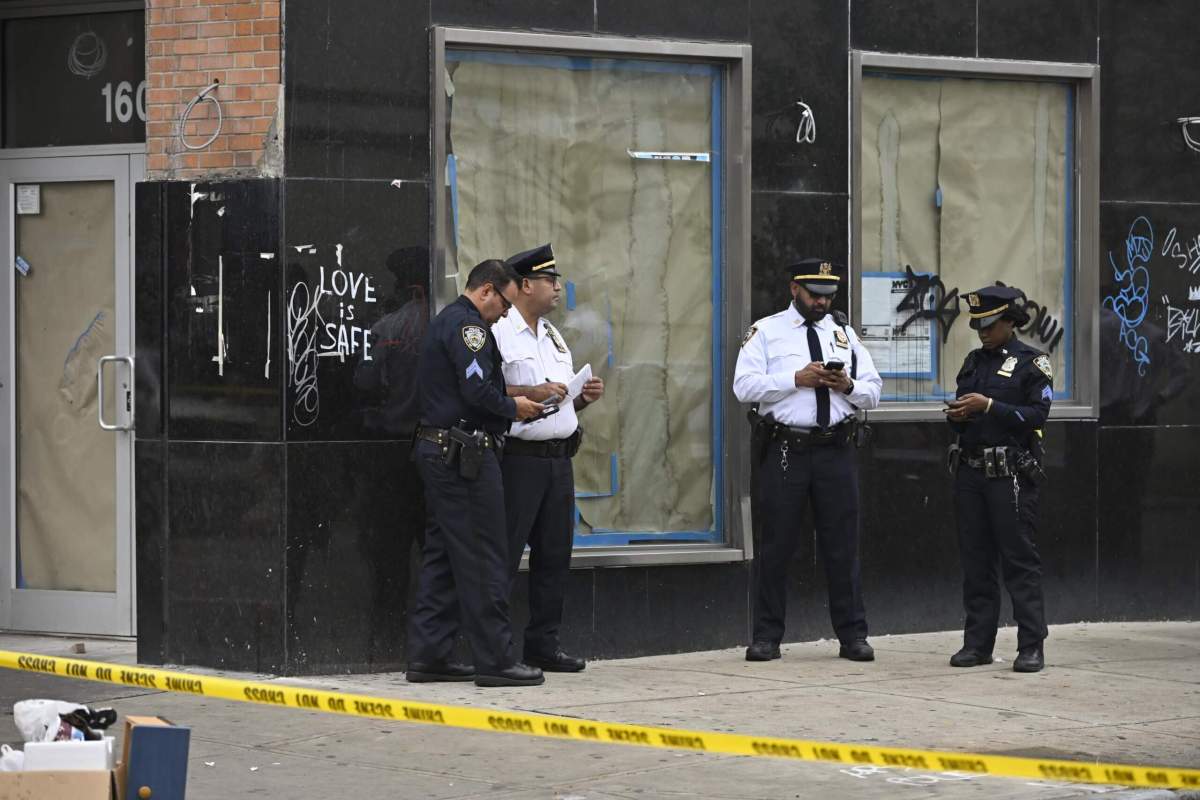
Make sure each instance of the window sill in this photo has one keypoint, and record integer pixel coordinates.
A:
(929, 412)
(650, 555)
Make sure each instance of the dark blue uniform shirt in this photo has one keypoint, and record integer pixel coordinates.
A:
(459, 373)
(1018, 379)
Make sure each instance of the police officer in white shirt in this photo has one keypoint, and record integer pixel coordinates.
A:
(539, 484)
(808, 373)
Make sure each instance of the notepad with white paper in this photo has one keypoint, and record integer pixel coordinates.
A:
(575, 385)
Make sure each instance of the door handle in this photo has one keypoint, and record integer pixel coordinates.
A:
(129, 397)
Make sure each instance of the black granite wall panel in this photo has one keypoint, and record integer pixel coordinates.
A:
(355, 512)
(1034, 30)
(1149, 551)
(930, 27)
(357, 89)
(800, 54)
(675, 19)
(1149, 72)
(225, 555)
(357, 287)
(149, 328)
(1150, 314)
(542, 15)
(150, 549)
(912, 580)
(786, 228)
(222, 284)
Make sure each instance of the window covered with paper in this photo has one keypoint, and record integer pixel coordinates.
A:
(612, 161)
(964, 183)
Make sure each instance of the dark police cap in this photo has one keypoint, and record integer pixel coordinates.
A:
(534, 263)
(817, 275)
(986, 305)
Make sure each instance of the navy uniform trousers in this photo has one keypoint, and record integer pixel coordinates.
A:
(539, 500)
(828, 477)
(997, 522)
(464, 568)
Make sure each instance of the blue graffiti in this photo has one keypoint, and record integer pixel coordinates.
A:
(1131, 302)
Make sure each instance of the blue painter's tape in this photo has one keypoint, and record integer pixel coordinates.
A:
(570, 295)
(614, 481)
(937, 197)
(452, 166)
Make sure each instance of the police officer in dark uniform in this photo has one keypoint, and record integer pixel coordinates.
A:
(1003, 399)
(464, 562)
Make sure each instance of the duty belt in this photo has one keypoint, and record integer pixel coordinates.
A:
(817, 437)
(441, 437)
(546, 448)
(997, 462)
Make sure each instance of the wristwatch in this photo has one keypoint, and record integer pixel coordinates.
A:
(849, 388)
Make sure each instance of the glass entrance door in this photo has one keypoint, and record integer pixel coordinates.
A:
(67, 395)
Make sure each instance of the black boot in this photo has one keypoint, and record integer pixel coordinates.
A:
(970, 658)
(1029, 659)
(762, 650)
(516, 675)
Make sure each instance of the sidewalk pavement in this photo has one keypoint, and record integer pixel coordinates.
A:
(1124, 692)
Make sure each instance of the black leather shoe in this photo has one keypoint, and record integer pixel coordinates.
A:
(516, 675)
(431, 673)
(762, 650)
(970, 658)
(858, 650)
(559, 662)
(1029, 659)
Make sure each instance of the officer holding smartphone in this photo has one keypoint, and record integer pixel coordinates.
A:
(1003, 399)
(793, 365)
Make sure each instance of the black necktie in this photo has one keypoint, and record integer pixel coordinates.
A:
(814, 352)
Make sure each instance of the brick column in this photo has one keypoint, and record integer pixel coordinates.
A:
(190, 44)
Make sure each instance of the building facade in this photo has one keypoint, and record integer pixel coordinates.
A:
(290, 190)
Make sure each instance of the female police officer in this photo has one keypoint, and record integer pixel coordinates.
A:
(1003, 399)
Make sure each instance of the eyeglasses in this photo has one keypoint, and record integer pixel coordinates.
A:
(503, 299)
(554, 279)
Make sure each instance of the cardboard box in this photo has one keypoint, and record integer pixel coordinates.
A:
(58, 785)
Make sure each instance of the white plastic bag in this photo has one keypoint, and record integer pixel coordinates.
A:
(11, 760)
(38, 721)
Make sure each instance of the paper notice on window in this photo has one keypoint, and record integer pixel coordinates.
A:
(900, 342)
(575, 385)
(29, 198)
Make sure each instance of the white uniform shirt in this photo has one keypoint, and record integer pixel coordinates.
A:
(777, 346)
(531, 358)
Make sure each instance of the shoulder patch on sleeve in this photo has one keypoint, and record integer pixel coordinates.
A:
(474, 337)
(1043, 363)
(749, 334)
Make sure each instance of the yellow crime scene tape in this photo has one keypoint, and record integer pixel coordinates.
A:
(586, 730)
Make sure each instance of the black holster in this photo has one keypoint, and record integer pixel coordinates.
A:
(762, 431)
(1030, 467)
(467, 449)
(953, 457)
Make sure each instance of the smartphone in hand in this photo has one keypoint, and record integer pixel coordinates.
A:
(834, 366)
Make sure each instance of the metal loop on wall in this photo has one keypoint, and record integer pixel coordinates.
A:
(204, 95)
(1192, 144)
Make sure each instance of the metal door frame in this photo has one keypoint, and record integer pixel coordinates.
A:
(41, 610)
